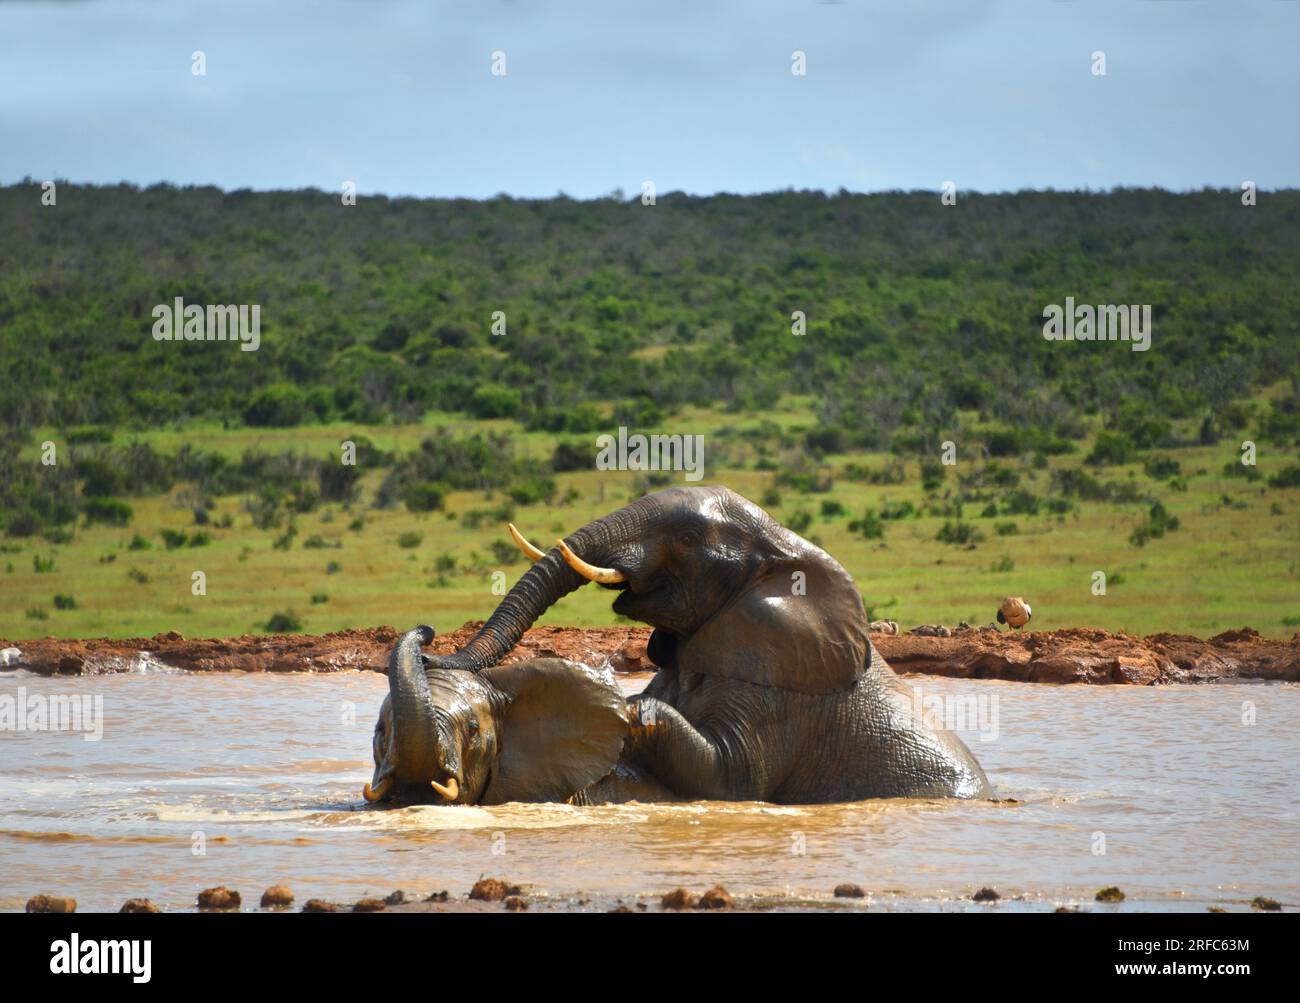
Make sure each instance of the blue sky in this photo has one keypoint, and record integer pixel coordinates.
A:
(696, 96)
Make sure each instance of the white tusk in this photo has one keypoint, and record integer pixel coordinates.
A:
(533, 553)
(605, 576)
(450, 792)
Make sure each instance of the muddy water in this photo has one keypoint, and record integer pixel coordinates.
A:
(249, 780)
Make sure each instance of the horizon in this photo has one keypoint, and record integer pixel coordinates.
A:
(629, 198)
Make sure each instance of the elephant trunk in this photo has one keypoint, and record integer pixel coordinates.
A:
(414, 746)
(544, 584)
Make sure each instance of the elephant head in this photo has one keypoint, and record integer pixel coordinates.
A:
(729, 591)
(539, 730)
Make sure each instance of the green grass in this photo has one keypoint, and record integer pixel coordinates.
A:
(1228, 565)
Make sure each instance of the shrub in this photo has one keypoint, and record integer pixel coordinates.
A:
(410, 540)
(831, 509)
(799, 521)
(493, 400)
(1161, 468)
(280, 405)
(172, 538)
(897, 510)
(109, 511)
(64, 602)
(959, 534)
(570, 456)
(869, 525)
(1111, 448)
(423, 496)
(283, 623)
(1289, 477)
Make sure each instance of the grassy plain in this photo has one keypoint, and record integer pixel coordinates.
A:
(1233, 561)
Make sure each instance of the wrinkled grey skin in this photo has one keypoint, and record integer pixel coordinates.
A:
(768, 687)
(545, 729)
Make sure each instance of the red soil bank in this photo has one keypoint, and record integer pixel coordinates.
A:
(1079, 655)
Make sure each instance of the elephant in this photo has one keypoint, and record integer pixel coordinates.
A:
(545, 729)
(768, 687)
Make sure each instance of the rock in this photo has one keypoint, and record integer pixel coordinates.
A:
(1067, 908)
(631, 657)
(220, 897)
(679, 898)
(438, 897)
(515, 904)
(1215, 908)
(1110, 894)
(51, 903)
(139, 905)
(396, 898)
(930, 630)
(319, 905)
(621, 908)
(850, 891)
(716, 897)
(889, 627)
(492, 890)
(9, 658)
(1265, 904)
(370, 905)
(277, 897)
(986, 895)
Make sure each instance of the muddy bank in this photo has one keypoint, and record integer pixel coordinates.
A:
(1077, 655)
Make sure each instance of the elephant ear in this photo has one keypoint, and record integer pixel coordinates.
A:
(562, 728)
(800, 626)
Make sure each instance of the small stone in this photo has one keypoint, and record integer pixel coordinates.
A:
(220, 897)
(1067, 908)
(1215, 908)
(632, 657)
(139, 905)
(396, 898)
(716, 897)
(1110, 894)
(850, 891)
(277, 897)
(679, 898)
(51, 903)
(492, 890)
(370, 905)
(1265, 904)
(515, 904)
(621, 908)
(319, 905)
(437, 897)
(986, 895)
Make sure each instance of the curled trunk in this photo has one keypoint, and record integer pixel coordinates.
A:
(542, 585)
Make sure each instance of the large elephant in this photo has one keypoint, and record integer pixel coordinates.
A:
(768, 687)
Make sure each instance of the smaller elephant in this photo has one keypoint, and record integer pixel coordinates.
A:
(545, 729)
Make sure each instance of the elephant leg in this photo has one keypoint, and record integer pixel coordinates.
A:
(683, 758)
